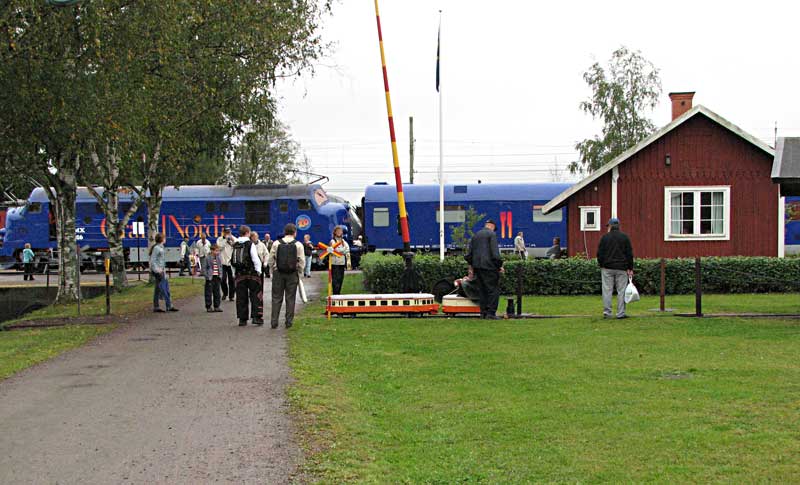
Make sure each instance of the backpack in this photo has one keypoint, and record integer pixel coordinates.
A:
(240, 257)
(286, 257)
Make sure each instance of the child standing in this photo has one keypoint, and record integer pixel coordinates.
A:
(27, 262)
(213, 274)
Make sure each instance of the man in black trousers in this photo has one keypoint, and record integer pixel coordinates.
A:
(248, 280)
(484, 258)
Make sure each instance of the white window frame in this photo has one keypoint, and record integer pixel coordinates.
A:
(595, 209)
(554, 216)
(381, 211)
(453, 214)
(696, 236)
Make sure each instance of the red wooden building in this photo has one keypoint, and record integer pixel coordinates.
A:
(699, 186)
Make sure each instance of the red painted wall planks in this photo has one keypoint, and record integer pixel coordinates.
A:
(702, 153)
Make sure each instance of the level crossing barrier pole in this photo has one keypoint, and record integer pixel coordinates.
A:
(663, 283)
(698, 289)
(78, 278)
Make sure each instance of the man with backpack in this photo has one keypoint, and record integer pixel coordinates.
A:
(247, 264)
(287, 260)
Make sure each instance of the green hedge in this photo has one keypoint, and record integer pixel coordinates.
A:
(576, 276)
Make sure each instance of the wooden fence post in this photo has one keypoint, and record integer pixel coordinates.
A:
(698, 289)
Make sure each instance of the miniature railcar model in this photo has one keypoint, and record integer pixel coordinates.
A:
(405, 303)
(455, 305)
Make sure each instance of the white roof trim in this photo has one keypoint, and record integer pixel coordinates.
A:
(561, 198)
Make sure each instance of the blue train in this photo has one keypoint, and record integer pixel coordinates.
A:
(514, 207)
(188, 210)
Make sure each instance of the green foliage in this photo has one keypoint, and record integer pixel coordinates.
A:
(620, 95)
(461, 234)
(575, 276)
(267, 155)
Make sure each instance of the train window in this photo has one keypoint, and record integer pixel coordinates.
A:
(553, 216)
(380, 217)
(395, 303)
(256, 212)
(283, 207)
(223, 207)
(406, 303)
(209, 207)
(453, 214)
(373, 303)
(384, 303)
(35, 208)
(590, 218)
(361, 303)
(460, 189)
(304, 205)
(351, 303)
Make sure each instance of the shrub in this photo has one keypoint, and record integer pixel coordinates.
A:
(577, 276)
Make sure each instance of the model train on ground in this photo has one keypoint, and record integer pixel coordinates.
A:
(190, 210)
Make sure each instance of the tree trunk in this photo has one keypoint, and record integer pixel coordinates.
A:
(153, 199)
(64, 188)
(114, 231)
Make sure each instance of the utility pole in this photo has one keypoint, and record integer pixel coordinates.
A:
(411, 148)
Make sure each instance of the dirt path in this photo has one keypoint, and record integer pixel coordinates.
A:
(186, 397)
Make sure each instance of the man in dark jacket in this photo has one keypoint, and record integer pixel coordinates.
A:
(484, 258)
(615, 257)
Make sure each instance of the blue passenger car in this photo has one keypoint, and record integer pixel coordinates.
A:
(514, 207)
(185, 211)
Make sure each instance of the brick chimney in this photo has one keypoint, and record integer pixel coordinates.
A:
(681, 103)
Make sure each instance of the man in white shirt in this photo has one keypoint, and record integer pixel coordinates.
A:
(225, 245)
(248, 282)
(519, 246)
(287, 260)
(185, 256)
(202, 248)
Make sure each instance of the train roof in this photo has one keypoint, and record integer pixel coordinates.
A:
(277, 191)
(466, 192)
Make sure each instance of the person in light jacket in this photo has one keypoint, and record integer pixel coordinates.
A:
(225, 245)
(157, 268)
(185, 251)
(202, 247)
(519, 246)
(213, 276)
(339, 263)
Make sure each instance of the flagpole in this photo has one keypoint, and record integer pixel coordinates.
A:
(441, 144)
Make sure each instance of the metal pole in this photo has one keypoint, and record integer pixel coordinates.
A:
(78, 278)
(138, 252)
(698, 290)
(663, 283)
(108, 286)
(411, 149)
(519, 286)
(441, 141)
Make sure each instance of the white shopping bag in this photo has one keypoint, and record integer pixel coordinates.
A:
(302, 287)
(631, 293)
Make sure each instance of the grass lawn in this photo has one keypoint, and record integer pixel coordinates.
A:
(134, 299)
(20, 349)
(23, 348)
(651, 398)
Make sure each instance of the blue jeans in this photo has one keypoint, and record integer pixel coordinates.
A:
(161, 290)
(308, 266)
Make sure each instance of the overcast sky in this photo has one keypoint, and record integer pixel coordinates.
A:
(512, 81)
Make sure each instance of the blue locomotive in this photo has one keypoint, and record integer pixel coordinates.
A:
(514, 207)
(185, 211)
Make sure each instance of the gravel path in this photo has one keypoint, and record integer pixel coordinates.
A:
(186, 397)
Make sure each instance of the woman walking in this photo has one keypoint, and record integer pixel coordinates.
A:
(157, 269)
(339, 263)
